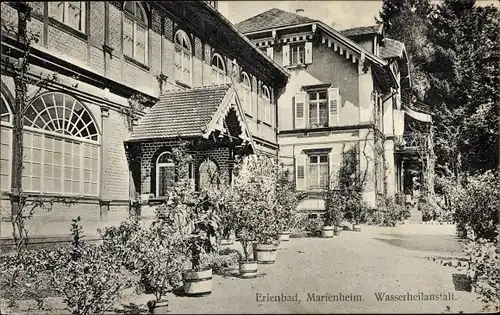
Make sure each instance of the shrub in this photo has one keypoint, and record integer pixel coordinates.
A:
(483, 269)
(314, 226)
(224, 260)
(476, 203)
(298, 233)
(89, 279)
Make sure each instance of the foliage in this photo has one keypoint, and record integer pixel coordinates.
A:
(483, 269)
(476, 203)
(314, 226)
(254, 202)
(343, 196)
(224, 260)
(454, 68)
(287, 197)
(89, 279)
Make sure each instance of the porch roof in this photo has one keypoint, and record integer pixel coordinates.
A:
(180, 113)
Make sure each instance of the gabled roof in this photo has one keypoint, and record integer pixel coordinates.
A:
(391, 49)
(272, 18)
(180, 113)
(362, 30)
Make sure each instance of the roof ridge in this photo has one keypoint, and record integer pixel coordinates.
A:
(271, 18)
(177, 89)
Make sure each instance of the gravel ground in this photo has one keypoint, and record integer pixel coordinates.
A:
(352, 263)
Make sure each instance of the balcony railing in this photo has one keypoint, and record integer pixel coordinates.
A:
(412, 142)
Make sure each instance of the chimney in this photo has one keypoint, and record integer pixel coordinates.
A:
(299, 11)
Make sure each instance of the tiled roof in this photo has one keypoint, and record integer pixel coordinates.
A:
(391, 49)
(271, 19)
(180, 113)
(362, 30)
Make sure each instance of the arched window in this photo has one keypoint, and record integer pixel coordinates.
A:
(135, 31)
(246, 93)
(61, 148)
(5, 143)
(71, 13)
(266, 95)
(165, 173)
(218, 70)
(183, 53)
(208, 169)
(5, 110)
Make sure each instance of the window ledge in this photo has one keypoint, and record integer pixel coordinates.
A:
(68, 29)
(136, 63)
(300, 66)
(182, 84)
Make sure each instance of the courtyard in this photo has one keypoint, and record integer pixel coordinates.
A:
(356, 271)
(353, 263)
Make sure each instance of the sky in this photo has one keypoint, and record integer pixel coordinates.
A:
(340, 14)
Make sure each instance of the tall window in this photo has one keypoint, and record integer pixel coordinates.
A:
(135, 31)
(71, 13)
(318, 109)
(183, 53)
(318, 171)
(297, 54)
(218, 70)
(165, 173)
(246, 98)
(61, 148)
(266, 95)
(5, 144)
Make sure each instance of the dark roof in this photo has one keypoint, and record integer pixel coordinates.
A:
(271, 19)
(391, 49)
(180, 113)
(362, 30)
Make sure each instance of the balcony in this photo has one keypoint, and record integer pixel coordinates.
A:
(412, 144)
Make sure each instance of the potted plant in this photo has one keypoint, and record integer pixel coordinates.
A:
(287, 202)
(160, 261)
(335, 202)
(254, 204)
(200, 243)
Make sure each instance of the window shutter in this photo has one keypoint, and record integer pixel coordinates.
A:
(300, 110)
(300, 171)
(286, 55)
(333, 106)
(270, 52)
(309, 52)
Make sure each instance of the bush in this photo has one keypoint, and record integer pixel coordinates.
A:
(226, 258)
(483, 269)
(314, 226)
(89, 279)
(298, 233)
(476, 204)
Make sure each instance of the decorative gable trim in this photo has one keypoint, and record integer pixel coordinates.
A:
(230, 101)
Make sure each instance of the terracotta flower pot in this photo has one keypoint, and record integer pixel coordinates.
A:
(158, 307)
(265, 253)
(197, 282)
(284, 236)
(248, 269)
(327, 231)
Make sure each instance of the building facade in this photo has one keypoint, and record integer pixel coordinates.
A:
(91, 133)
(344, 91)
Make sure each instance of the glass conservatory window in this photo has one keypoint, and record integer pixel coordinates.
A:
(61, 148)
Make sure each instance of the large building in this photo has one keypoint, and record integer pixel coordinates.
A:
(344, 91)
(133, 80)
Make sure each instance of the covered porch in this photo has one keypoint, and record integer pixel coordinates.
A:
(209, 125)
